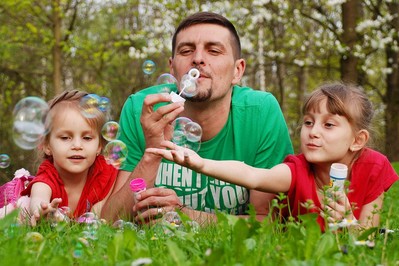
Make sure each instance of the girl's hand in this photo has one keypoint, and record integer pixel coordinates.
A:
(179, 155)
(337, 207)
(48, 210)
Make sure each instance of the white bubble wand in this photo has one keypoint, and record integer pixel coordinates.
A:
(187, 80)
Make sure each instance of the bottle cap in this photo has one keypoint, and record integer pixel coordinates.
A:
(137, 185)
(338, 171)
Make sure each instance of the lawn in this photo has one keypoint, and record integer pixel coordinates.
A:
(231, 241)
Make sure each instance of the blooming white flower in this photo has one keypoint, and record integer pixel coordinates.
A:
(348, 222)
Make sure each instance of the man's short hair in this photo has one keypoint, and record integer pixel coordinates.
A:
(209, 18)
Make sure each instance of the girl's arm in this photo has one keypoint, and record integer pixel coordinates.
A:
(275, 180)
(40, 204)
(370, 214)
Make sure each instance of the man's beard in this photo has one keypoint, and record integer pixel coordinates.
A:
(202, 96)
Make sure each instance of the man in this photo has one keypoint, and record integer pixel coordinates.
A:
(238, 123)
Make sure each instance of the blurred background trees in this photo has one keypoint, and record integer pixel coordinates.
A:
(291, 47)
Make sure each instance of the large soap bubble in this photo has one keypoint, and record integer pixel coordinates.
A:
(115, 153)
(29, 122)
(166, 78)
(90, 105)
(110, 130)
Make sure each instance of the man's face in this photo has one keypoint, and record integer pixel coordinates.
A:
(207, 47)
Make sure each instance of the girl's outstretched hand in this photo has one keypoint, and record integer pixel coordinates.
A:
(179, 155)
(45, 210)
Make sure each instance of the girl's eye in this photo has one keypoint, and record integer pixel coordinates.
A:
(329, 125)
(307, 123)
(87, 138)
(64, 137)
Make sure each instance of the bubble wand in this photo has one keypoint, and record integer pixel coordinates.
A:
(187, 81)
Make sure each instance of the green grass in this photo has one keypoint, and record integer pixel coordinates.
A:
(231, 241)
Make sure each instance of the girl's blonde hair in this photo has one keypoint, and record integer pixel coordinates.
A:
(345, 100)
(71, 100)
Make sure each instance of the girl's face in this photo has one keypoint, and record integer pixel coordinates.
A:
(73, 144)
(325, 137)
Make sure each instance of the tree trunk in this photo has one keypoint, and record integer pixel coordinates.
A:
(57, 48)
(392, 94)
(349, 39)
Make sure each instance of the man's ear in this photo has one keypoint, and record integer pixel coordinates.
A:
(238, 71)
(171, 70)
(361, 139)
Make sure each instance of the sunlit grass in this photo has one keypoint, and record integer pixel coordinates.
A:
(231, 241)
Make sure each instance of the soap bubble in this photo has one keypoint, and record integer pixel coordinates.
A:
(90, 105)
(187, 133)
(188, 86)
(110, 130)
(4, 160)
(193, 131)
(195, 146)
(179, 137)
(172, 218)
(104, 104)
(29, 122)
(166, 78)
(148, 67)
(115, 153)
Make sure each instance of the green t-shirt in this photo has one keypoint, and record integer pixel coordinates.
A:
(255, 133)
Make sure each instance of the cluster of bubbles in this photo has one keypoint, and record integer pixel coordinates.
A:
(4, 160)
(115, 152)
(29, 117)
(187, 133)
(91, 104)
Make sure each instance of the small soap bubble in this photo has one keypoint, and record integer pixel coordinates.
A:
(193, 131)
(166, 78)
(90, 105)
(115, 153)
(148, 67)
(4, 160)
(172, 217)
(29, 117)
(110, 130)
(104, 104)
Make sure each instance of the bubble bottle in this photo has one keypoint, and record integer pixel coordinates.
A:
(137, 185)
(338, 174)
(188, 86)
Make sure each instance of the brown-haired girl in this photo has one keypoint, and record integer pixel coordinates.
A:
(73, 172)
(335, 129)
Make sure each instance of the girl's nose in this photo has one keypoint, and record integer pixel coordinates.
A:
(314, 131)
(77, 145)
